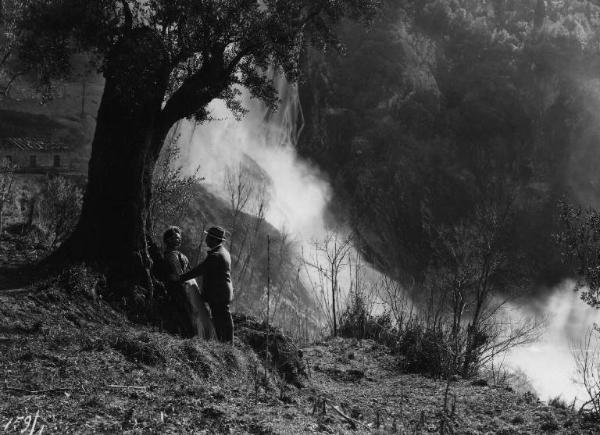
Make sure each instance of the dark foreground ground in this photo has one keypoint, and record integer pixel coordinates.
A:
(80, 367)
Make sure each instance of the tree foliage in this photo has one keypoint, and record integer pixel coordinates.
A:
(228, 42)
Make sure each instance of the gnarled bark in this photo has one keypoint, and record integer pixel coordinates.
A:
(111, 229)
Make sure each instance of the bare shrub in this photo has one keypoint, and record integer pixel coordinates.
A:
(59, 208)
(470, 270)
(586, 353)
(243, 193)
(247, 196)
(323, 267)
(397, 300)
(453, 322)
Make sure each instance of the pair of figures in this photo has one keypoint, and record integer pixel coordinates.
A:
(217, 290)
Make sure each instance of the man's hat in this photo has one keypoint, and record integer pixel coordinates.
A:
(216, 233)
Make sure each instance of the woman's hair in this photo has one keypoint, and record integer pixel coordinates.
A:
(171, 231)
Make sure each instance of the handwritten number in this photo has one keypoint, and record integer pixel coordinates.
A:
(15, 423)
(26, 422)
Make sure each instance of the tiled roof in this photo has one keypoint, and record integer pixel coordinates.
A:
(32, 144)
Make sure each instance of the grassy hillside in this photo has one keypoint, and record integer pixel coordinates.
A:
(26, 124)
(82, 368)
(85, 369)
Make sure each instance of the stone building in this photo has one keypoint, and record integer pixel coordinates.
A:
(35, 154)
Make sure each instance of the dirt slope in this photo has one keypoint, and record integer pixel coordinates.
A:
(82, 368)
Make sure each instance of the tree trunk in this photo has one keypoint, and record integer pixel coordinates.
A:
(111, 232)
(31, 214)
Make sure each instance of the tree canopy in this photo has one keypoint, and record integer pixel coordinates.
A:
(234, 42)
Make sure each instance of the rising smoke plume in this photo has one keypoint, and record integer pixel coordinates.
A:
(263, 143)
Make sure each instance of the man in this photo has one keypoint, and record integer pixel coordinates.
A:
(218, 291)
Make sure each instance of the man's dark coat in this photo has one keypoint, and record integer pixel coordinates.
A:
(218, 291)
(216, 274)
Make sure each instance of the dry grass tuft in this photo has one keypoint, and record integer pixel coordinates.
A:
(136, 349)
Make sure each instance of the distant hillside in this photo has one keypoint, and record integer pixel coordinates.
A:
(69, 116)
(26, 124)
(14, 123)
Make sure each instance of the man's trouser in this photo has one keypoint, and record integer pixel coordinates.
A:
(223, 322)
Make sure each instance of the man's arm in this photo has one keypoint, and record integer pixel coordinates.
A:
(195, 272)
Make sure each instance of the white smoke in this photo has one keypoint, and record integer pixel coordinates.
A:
(298, 192)
(549, 363)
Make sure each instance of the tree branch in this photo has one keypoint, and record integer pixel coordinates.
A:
(197, 90)
(128, 25)
(6, 56)
(239, 56)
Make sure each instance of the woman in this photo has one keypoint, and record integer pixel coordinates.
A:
(187, 294)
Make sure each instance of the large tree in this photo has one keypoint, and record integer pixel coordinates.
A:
(163, 60)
